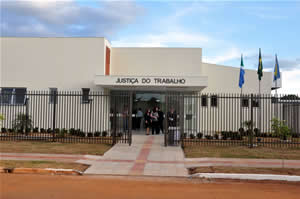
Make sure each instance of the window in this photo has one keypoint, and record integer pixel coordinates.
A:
(255, 103)
(13, 96)
(85, 95)
(53, 91)
(245, 102)
(204, 100)
(214, 101)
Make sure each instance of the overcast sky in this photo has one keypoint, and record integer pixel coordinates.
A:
(224, 29)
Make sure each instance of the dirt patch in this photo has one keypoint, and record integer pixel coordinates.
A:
(42, 165)
(53, 147)
(248, 170)
(82, 187)
(198, 151)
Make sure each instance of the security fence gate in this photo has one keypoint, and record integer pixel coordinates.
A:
(70, 116)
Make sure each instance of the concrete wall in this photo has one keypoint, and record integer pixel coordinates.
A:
(225, 79)
(156, 61)
(40, 63)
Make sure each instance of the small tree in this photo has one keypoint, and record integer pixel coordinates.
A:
(1, 119)
(22, 122)
(280, 129)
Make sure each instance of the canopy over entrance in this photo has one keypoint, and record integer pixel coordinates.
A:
(153, 83)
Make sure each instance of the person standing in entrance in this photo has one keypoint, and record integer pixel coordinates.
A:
(155, 117)
(172, 118)
(147, 119)
(161, 120)
(139, 116)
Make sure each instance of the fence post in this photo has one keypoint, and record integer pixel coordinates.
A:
(181, 118)
(54, 115)
(251, 127)
(115, 119)
(26, 116)
(130, 118)
(166, 119)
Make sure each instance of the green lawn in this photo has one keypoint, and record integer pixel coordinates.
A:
(241, 152)
(53, 147)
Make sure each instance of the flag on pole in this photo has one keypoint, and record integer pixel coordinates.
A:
(276, 70)
(242, 73)
(260, 67)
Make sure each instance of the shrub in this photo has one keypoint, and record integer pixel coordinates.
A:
(295, 135)
(257, 132)
(49, 130)
(35, 130)
(216, 136)
(104, 133)
(192, 136)
(22, 122)
(57, 131)
(209, 137)
(185, 135)
(90, 134)
(3, 130)
(199, 135)
(10, 130)
(242, 131)
(72, 131)
(42, 130)
(97, 134)
(280, 129)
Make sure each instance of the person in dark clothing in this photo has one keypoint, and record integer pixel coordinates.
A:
(155, 118)
(172, 118)
(148, 120)
(161, 120)
(139, 116)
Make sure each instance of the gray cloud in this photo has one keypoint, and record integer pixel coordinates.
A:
(66, 18)
(269, 62)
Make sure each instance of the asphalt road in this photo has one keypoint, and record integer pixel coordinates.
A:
(26, 186)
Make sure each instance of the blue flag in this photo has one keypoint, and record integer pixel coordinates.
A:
(276, 70)
(242, 73)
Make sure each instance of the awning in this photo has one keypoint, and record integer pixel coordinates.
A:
(155, 83)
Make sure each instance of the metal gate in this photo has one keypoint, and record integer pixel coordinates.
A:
(121, 117)
(174, 119)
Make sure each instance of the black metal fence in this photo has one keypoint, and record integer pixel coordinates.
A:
(235, 119)
(201, 119)
(70, 116)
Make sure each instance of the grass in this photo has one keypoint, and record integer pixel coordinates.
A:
(241, 152)
(42, 165)
(52, 147)
(276, 171)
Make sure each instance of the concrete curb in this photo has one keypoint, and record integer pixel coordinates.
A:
(40, 171)
(288, 178)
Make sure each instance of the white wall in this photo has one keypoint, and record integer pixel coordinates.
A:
(40, 63)
(225, 79)
(156, 61)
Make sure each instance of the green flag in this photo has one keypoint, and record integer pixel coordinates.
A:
(260, 67)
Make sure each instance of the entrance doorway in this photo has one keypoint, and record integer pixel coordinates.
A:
(126, 105)
(142, 101)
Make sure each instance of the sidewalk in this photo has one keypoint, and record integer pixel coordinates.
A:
(149, 157)
(146, 156)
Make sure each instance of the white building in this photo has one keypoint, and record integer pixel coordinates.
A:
(75, 63)
(92, 64)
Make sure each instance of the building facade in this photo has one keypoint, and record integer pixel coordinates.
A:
(90, 65)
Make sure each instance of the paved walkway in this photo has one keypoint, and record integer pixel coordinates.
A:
(148, 156)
